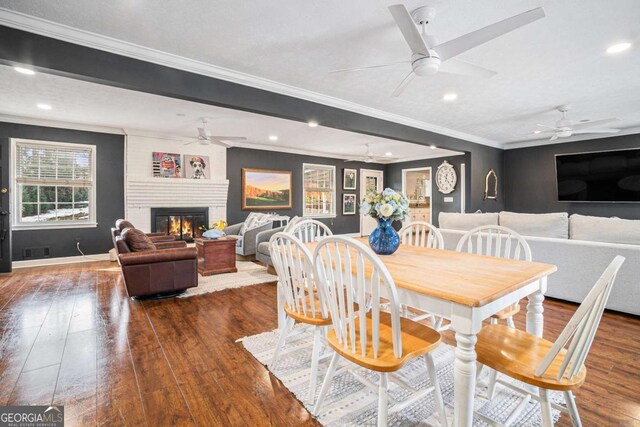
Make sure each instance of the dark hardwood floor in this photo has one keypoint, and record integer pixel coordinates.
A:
(69, 335)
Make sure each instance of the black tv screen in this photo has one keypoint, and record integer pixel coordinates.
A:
(604, 176)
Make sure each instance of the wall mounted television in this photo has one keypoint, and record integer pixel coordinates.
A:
(601, 176)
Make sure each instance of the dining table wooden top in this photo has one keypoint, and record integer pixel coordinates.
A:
(463, 278)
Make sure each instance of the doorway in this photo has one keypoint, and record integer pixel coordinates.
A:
(416, 185)
(370, 180)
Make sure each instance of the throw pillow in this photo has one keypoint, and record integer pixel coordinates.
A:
(137, 240)
(123, 223)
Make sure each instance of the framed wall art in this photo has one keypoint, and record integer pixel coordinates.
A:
(196, 167)
(349, 204)
(266, 189)
(349, 179)
(167, 165)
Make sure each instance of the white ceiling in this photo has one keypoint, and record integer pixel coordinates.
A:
(118, 110)
(557, 60)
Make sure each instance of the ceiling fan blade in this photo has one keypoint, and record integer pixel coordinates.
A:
(403, 84)
(227, 138)
(461, 44)
(587, 131)
(458, 66)
(218, 142)
(409, 30)
(192, 142)
(548, 127)
(554, 137)
(347, 70)
(202, 133)
(579, 126)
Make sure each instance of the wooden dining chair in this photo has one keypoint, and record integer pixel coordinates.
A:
(302, 303)
(353, 279)
(420, 233)
(498, 241)
(309, 230)
(425, 235)
(544, 364)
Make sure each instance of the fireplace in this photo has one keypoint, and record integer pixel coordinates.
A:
(184, 223)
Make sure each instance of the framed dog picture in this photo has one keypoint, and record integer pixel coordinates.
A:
(196, 167)
(349, 178)
(167, 165)
(266, 189)
(349, 204)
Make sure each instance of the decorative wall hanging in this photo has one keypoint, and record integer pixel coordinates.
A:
(196, 167)
(349, 179)
(446, 178)
(349, 204)
(490, 186)
(266, 189)
(167, 165)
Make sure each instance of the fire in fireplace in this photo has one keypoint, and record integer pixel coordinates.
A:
(183, 223)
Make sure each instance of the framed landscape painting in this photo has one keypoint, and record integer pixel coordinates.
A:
(266, 189)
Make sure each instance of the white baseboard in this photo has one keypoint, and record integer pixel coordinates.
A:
(61, 260)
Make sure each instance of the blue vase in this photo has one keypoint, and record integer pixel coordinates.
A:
(384, 240)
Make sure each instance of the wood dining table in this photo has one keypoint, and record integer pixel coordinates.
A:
(466, 289)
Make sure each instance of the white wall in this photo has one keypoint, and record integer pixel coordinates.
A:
(143, 191)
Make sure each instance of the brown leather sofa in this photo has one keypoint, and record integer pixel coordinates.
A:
(162, 268)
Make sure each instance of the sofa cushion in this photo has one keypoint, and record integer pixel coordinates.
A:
(137, 240)
(540, 225)
(466, 222)
(263, 248)
(601, 229)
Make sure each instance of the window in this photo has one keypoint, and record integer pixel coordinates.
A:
(55, 184)
(319, 190)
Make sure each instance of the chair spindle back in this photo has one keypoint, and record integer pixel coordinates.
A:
(494, 240)
(420, 233)
(309, 230)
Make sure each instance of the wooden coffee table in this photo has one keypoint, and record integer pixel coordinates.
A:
(216, 256)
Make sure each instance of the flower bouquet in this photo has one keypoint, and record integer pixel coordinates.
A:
(386, 207)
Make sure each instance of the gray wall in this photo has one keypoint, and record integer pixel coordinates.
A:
(110, 191)
(530, 179)
(393, 178)
(238, 158)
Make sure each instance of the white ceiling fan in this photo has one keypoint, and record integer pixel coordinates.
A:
(371, 157)
(564, 128)
(429, 57)
(205, 138)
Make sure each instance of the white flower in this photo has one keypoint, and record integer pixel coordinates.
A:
(386, 210)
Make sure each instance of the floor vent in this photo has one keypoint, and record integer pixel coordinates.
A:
(36, 252)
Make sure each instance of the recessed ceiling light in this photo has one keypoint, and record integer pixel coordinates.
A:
(273, 137)
(388, 153)
(450, 97)
(619, 47)
(22, 70)
(44, 106)
(313, 124)
(433, 147)
(537, 131)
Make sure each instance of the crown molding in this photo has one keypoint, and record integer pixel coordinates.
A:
(69, 34)
(540, 142)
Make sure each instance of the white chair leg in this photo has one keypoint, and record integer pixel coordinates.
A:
(317, 343)
(573, 409)
(437, 393)
(283, 336)
(510, 322)
(326, 384)
(545, 406)
(491, 389)
(382, 400)
(494, 321)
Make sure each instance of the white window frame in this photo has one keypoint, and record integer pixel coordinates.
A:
(16, 202)
(304, 191)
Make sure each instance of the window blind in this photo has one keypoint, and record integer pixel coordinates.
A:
(57, 165)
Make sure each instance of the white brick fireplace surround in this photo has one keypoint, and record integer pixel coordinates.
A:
(144, 192)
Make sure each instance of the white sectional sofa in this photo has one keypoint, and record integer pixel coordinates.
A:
(581, 247)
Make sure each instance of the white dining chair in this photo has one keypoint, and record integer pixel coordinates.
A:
(353, 279)
(544, 364)
(498, 241)
(309, 230)
(302, 303)
(423, 234)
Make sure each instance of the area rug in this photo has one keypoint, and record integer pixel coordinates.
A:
(350, 403)
(248, 274)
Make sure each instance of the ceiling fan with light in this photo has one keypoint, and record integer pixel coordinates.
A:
(371, 157)
(430, 57)
(564, 127)
(205, 138)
